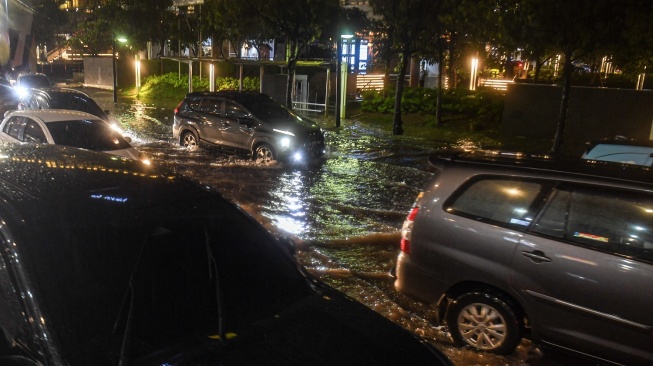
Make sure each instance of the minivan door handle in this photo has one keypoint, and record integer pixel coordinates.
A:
(536, 256)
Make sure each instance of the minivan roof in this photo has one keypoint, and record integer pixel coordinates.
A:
(543, 162)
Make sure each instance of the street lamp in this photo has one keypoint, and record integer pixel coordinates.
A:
(339, 89)
(115, 69)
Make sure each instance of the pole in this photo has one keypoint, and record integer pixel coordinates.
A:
(115, 70)
(338, 81)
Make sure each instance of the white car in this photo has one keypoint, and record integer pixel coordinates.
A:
(68, 128)
(621, 150)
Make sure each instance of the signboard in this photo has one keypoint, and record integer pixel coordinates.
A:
(187, 2)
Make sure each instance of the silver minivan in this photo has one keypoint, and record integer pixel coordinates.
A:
(559, 252)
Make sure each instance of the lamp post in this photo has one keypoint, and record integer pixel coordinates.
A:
(115, 68)
(339, 88)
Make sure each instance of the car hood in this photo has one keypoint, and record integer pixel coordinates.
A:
(297, 126)
(129, 153)
(326, 328)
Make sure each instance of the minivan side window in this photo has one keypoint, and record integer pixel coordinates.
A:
(616, 222)
(502, 201)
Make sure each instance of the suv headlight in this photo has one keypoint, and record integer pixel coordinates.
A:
(285, 142)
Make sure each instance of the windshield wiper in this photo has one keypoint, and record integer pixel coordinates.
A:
(129, 292)
(213, 271)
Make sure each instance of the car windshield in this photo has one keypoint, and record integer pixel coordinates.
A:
(76, 102)
(157, 276)
(87, 134)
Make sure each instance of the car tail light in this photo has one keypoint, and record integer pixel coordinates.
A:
(407, 229)
(177, 109)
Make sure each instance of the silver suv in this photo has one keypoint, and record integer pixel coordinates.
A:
(561, 252)
(249, 122)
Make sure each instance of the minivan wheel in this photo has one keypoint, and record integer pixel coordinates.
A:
(188, 139)
(485, 322)
(264, 153)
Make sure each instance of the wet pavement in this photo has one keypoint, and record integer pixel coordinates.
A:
(344, 210)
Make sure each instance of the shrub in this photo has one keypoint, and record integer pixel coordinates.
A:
(171, 86)
(485, 102)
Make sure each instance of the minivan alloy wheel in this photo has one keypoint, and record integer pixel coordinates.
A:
(485, 322)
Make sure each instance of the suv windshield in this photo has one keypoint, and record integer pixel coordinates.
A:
(87, 134)
(163, 274)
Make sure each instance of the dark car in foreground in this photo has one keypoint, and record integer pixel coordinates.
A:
(110, 262)
(558, 251)
(248, 122)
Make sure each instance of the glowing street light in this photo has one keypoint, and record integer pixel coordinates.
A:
(115, 69)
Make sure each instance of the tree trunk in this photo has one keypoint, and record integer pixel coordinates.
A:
(438, 102)
(396, 121)
(292, 65)
(562, 116)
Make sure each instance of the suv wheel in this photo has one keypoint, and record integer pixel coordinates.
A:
(188, 139)
(485, 322)
(264, 153)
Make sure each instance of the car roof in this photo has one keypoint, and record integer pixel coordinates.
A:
(46, 172)
(54, 91)
(231, 94)
(547, 164)
(54, 115)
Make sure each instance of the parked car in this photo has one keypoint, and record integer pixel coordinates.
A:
(8, 99)
(27, 81)
(37, 80)
(246, 121)
(621, 150)
(562, 252)
(66, 127)
(65, 98)
(110, 262)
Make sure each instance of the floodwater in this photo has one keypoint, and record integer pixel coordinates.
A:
(344, 211)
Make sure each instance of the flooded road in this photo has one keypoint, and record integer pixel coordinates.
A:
(344, 211)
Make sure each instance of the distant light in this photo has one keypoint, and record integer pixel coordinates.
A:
(347, 36)
(297, 156)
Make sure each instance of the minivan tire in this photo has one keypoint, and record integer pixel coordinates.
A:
(188, 139)
(486, 322)
(264, 153)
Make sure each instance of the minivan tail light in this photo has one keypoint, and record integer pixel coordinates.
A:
(407, 229)
(177, 109)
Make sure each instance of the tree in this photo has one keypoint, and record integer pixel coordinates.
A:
(92, 37)
(408, 21)
(301, 23)
(232, 20)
